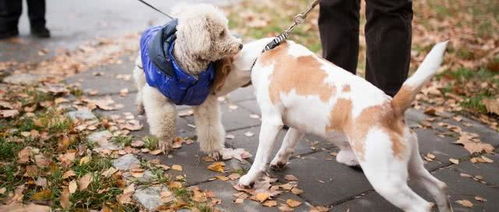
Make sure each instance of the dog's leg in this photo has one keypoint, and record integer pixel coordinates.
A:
(209, 128)
(387, 173)
(161, 116)
(287, 148)
(140, 82)
(268, 132)
(418, 172)
(346, 156)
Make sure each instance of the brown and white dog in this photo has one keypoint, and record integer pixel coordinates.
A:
(295, 87)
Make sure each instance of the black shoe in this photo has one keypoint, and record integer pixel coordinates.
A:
(8, 34)
(41, 32)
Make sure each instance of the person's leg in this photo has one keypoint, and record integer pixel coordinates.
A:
(36, 13)
(339, 32)
(10, 10)
(388, 37)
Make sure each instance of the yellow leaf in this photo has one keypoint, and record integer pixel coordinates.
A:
(85, 160)
(217, 167)
(42, 195)
(293, 203)
(296, 191)
(222, 178)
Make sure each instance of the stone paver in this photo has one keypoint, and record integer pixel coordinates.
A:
(126, 162)
(324, 181)
(82, 114)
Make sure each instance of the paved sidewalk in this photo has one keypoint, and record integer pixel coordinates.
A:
(324, 181)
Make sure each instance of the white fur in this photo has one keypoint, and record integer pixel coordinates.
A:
(199, 42)
(385, 169)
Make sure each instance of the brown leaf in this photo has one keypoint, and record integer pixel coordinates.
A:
(262, 196)
(465, 203)
(85, 181)
(293, 203)
(296, 191)
(68, 174)
(176, 167)
(64, 199)
(24, 155)
(270, 203)
(492, 105)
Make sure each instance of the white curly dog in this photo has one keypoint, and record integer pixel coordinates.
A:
(202, 37)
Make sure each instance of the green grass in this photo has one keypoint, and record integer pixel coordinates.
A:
(8, 150)
(123, 140)
(151, 142)
(97, 163)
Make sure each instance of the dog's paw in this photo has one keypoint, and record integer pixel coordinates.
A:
(347, 157)
(165, 146)
(277, 166)
(216, 155)
(246, 182)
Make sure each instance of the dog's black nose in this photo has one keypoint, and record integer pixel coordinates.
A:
(240, 46)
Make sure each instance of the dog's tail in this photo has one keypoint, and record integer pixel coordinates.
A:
(411, 86)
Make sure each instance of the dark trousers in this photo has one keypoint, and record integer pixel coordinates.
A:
(10, 11)
(388, 38)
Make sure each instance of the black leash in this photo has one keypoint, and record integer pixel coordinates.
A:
(154, 8)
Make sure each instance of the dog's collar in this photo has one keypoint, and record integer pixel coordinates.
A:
(159, 47)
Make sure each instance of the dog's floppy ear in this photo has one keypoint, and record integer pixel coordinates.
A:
(222, 70)
(194, 34)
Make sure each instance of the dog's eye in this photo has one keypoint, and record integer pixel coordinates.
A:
(222, 33)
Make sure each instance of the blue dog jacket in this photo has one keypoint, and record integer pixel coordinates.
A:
(164, 73)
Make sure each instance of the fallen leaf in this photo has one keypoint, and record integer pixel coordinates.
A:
(217, 167)
(25, 208)
(296, 191)
(222, 178)
(9, 113)
(85, 160)
(492, 105)
(234, 176)
(124, 92)
(239, 154)
(270, 203)
(481, 199)
(68, 174)
(64, 199)
(249, 134)
(42, 195)
(72, 186)
(454, 161)
(262, 196)
(465, 203)
(85, 181)
(176, 167)
(290, 177)
(24, 155)
(293, 203)
(184, 113)
(109, 172)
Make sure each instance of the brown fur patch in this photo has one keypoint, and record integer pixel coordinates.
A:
(381, 116)
(302, 74)
(346, 88)
(222, 70)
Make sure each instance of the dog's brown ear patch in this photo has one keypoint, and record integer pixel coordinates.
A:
(222, 70)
